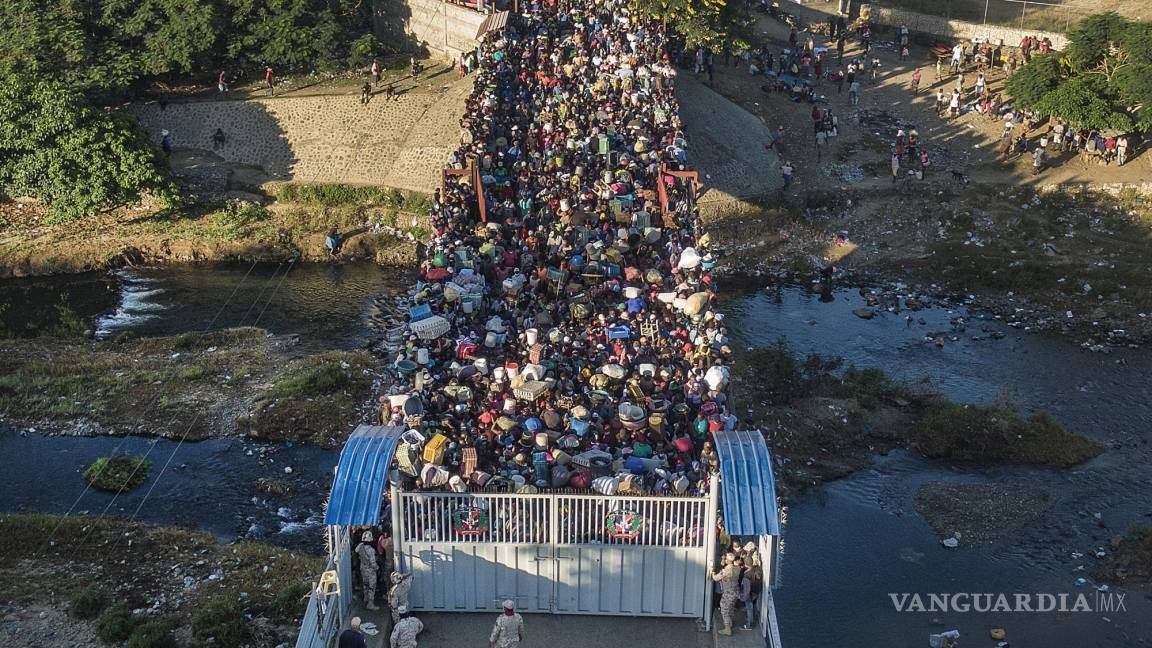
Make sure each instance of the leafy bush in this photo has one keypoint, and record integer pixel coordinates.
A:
(88, 602)
(118, 473)
(363, 50)
(322, 379)
(76, 158)
(289, 603)
(340, 195)
(154, 634)
(236, 219)
(221, 620)
(115, 625)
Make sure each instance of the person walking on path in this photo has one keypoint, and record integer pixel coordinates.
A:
(786, 171)
(366, 552)
(916, 81)
(404, 632)
(895, 161)
(508, 631)
(166, 142)
(398, 595)
(854, 93)
(222, 82)
(729, 579)
(1121, 150)
(270, 80)
(375, 72)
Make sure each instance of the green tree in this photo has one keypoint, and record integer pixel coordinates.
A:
(1103, 79)
(78, 159)
(1090, 42)
(1085, 103)
(702, 23)
(1030, 83)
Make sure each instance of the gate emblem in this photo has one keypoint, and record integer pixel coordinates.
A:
(470, 521)
(623, 525)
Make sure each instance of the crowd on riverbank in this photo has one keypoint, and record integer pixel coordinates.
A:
(562, 334)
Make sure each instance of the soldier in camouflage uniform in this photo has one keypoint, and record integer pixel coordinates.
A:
(366, 551)
(729, 579)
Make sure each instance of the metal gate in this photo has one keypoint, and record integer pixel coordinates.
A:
(558, 553)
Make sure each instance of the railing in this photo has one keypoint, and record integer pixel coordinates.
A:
(567, 519)
(326, 612)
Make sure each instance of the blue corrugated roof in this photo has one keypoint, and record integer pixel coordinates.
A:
(361, 475)
(747, 487)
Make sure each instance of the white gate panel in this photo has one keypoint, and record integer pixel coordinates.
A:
(476, 577)
(634, 581)
(562, 553)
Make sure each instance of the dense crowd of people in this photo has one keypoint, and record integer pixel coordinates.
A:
(562, 332)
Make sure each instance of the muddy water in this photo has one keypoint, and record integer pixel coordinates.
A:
(324, 304)
(210, 485)
(849, 544)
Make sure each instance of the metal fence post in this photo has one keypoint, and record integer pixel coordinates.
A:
(712, 538)
(397, 524)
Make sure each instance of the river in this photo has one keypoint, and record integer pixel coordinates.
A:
(850, 543)
(846, 545)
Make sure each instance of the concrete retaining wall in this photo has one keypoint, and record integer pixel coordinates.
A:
(442, 27)
(940, 26)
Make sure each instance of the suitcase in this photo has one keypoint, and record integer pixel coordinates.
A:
(435, 449)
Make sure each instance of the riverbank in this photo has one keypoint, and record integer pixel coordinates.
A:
(1066, 261)
(1063, 250)
(826, 421)
(225, 383)
(278, 222)
(74, 580)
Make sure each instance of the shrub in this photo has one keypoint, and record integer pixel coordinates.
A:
(193, 373)
(313, 381)
(115, 624)
(88, 602)
(289, 603)
(154, 634)
(236, 219)
(118, 473)
(221, 620)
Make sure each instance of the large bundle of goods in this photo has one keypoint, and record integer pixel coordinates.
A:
(568, 339)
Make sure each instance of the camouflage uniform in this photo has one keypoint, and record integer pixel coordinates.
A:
(368, 572)
(404, 633)
(398, 595)
(508, 631)
(729, 579)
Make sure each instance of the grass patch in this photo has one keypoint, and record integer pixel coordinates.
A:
(827, 409)
(87, 603)
(258, 579)
(339, 195)
(116, 382)
(317, 399)
(154, 634)
(115, 625)
(220, 621)
(118, 474)
(1131, 559)
(998, 433)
